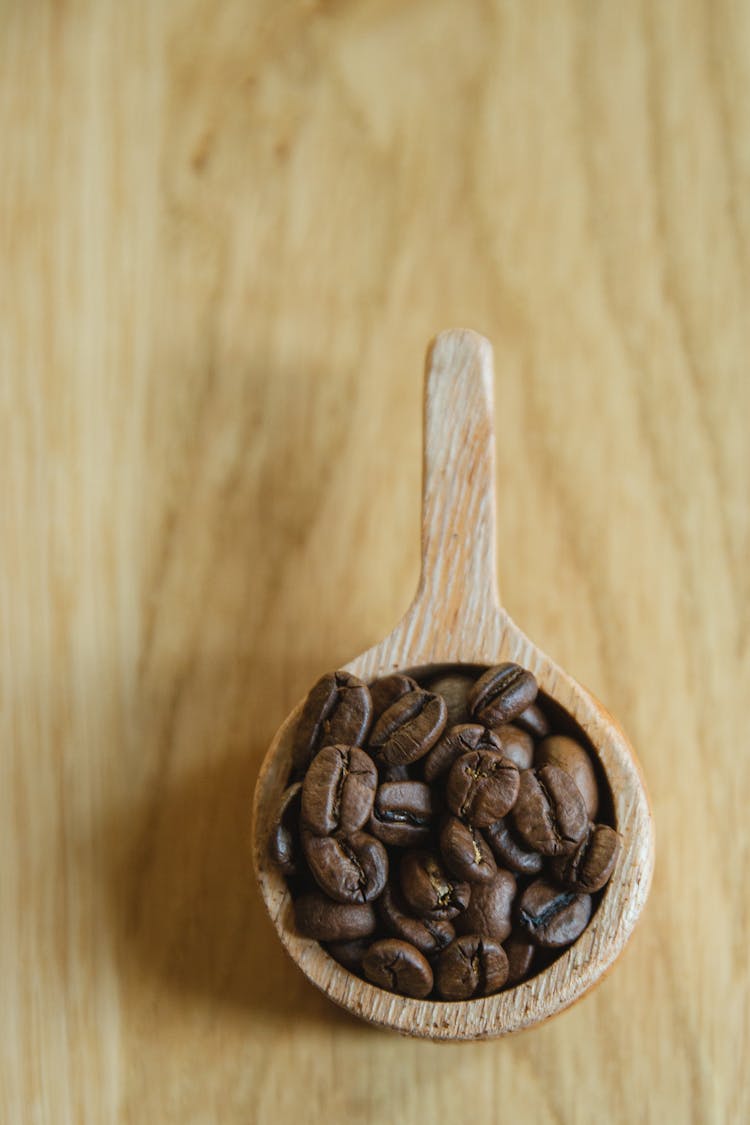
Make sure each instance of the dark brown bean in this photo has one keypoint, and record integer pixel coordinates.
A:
(454, 744)
(590, 866)
(520, 953)
(349, 868)
(534, 721)
(569, 755)
(319, 918)
(490, 910)
(338, 709)
(428, 889)
(454, 689)
(395, 773)
(402, 813)
(408, 729)
(501, 694)
(549, 814)
(509, 852)
(471, 966)
(553, 917)
(429, 935)
(388, 689)
(350, 953)
(465, 852)
(284, 845)
(482, 786)
(339, 790)
(398, 967)
(516, 744)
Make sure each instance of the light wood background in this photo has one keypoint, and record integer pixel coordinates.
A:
(228, 230)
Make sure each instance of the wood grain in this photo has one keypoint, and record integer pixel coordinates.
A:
(228, 230)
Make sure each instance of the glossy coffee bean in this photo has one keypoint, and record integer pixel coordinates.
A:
(350, 953)
(553, 917)
(509, 852)
(520, 953)
(549, 814)
(482, 786)
(319, 918)
(388, 689)
(428, 889)
(339, 790)
(465, 852)
(471, 966)
(402, 813)
(408, 729)
(534, 721)
(398, 967)
(516, 744)
(454, 689)
(569, 755)
(454, 743)
(429, 935)
(338, 709)
(284, 842)
(501, 694)
(490, 910)
(348, 868)
(590, 866)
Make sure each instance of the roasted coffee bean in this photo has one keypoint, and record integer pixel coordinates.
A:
(456, 742)
(388, 689)
(569, 755)
(471, 966)
(465, 852)
(553, 917)
(490, 909)
(482, 786)
(319, 918)
(549, 814)
(590, 866)
(454, 689)
(429, 935)
(337, 710)
(398, 967)
(534, 721)
(395, 773)
(350, 953)
(284, 843)
(409, 728)
(402, 813)
(509, 852)
(349, 868)
(339, 790)
(516, 744)
(429, 889)
(520, 953)
(501, 694)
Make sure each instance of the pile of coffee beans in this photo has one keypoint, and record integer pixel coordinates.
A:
(438, 835)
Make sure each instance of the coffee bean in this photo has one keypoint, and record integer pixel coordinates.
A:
(549, 814)
(456, 742)
(489, 912)
(534, 721)
(428, 889)
(482, 786)
(338, 709)
(402, 813)
(395, 773)
(516, 744)
(520, 953)
(501, 694)
(349, 868)
(569, 755)
(553, 917)
(319, 918)
(409, 728)
(339, 790)
(509, 852)
(350, 953)
(398, 967)
(284, 843)
(429, 935)
(471, 966)
(454, 689)
(590, 866)
(388, 689)
(465, 852)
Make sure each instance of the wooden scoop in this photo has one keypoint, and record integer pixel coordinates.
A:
(456, 618)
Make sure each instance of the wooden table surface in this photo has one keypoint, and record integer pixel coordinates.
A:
(228, 231)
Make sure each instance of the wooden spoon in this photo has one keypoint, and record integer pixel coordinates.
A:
(456, 617)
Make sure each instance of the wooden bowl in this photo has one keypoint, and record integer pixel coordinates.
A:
(456, 618)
